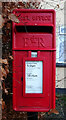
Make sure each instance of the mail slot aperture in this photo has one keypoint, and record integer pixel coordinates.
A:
(37, 29)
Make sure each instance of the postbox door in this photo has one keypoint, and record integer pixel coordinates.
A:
(27, 101)
(36, 86)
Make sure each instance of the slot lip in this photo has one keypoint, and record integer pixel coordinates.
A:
(35, 33)
(48, 25)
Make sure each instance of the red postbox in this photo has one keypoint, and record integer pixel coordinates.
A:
(34, 52)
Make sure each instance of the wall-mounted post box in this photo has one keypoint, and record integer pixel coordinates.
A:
(34, 52)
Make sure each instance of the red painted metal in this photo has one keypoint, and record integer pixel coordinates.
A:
(25, 40)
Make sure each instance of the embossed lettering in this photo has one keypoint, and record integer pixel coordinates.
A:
(34, 41)
(41, 43)
(23, 18)
(41, 18)
(31, 41)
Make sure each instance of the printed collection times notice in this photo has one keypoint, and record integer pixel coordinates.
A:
(34, 76)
